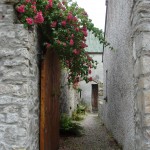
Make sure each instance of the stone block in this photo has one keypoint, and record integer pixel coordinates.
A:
(2, 146)
(7, 88)
(7, 14)
(12, 118)
(145, 60)
(144, 82)
(20, 52)
(146, 134)
(24, 112)
(16, 62)
(9, 1)
(19, 149)
(147, 120)
(2, 118)
(12, 100)
(146, 98)
(10, 135)
(141, 41)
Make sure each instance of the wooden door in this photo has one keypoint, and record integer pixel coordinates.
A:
(49, 121)
(94, 97)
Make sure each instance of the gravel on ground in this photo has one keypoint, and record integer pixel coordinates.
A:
(96, 137)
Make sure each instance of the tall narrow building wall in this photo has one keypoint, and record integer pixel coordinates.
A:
(118, 107)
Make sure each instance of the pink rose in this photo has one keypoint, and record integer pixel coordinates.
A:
(39, 18)
(34, 3)
(63, 23)
(29, 21)
(84, 33)
(90, 71)
(50, 3)
(53, 24)
(34, 8)
(72, 35)
(21, 8)
(77, 29)
(75, 19)
(83, 45)
(28, 1)
(64, 44)
(69, 17)
(75, 51)
(90, 78)
(71, 42)
(84, 28)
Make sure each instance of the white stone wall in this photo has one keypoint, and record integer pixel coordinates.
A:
(19, 83)
(69, 97)
(118, 112)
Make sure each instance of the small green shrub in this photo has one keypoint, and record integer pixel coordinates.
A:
(68, 127)
(81, 109)
(76, 116)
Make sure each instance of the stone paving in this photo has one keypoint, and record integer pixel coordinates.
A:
(96, 137)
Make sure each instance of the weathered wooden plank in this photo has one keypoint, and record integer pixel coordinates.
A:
(50, 85)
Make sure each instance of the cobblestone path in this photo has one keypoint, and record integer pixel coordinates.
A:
(96, 137)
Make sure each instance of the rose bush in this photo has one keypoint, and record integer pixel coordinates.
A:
(64, 27)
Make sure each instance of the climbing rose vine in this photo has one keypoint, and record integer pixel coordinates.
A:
(64, 27)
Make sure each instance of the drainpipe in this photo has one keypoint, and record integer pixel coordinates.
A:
(105, 26)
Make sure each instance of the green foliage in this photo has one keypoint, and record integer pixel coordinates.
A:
(79, 113)
(76, 116)
(64, 27)
(81, 109)
(68, 127)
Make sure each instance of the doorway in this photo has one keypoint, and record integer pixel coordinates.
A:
(94, 97)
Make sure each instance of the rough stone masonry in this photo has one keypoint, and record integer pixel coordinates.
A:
(19, 83)
(141, 57)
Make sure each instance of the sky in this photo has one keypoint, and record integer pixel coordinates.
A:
(96, 11)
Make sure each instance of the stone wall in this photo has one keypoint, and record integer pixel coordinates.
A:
(69, 97)
(141, 52)
(19, 83)
(118, 111)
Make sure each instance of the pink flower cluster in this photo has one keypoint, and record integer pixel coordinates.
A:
(29, 21)
(70, 16)
(21, 8)
(76, 52)
(39, 18)
(71, 42)
(84, 31)
(50, 4)
(63, 23)
(28, 1)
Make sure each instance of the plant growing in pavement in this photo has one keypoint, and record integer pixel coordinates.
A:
(64, 28)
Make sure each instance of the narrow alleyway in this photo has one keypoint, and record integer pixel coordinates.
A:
(96, 137)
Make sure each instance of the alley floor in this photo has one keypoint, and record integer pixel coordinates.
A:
(96, 137)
